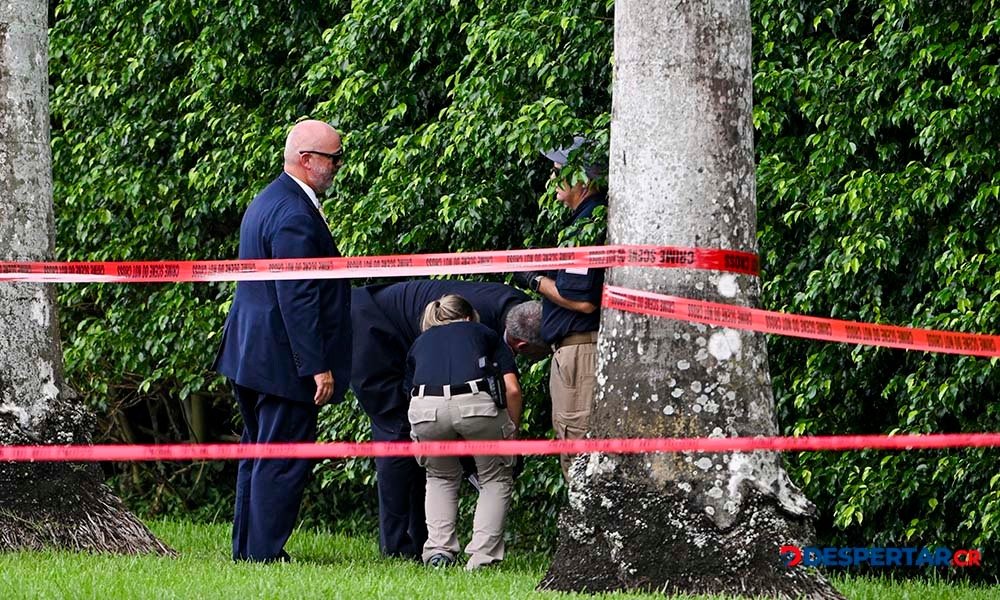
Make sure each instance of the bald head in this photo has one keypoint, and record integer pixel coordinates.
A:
(312, 151)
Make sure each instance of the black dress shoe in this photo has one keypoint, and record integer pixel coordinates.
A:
(281, 557)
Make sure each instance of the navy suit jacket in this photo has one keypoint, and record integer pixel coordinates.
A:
(280, 333)
(387, 321)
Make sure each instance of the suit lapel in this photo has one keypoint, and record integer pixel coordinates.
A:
(296, 189)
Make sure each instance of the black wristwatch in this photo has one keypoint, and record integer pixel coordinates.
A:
(535, 282)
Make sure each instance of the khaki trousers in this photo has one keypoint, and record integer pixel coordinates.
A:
(571, 385)
(471, 417)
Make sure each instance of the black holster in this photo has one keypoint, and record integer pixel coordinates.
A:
(497, 391)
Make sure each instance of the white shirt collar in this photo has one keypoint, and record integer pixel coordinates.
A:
(308, 190)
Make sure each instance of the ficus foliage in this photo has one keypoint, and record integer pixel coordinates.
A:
(169, 117)
(165, 119)
(877, 187)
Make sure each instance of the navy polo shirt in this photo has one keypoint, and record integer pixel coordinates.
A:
(404, 303)
(450, 354)
(386, 322)
(583, 285)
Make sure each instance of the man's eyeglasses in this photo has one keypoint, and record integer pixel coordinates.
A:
(335, 157)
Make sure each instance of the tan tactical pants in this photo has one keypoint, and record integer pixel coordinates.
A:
(571, 385)
(471, 417)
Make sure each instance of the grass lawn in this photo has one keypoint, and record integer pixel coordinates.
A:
(326, 566)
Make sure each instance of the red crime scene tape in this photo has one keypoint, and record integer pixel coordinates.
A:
(402, 265)
(814, 328)
(517, 260)
(171, 452)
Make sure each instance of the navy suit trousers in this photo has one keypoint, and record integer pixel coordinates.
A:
(269, 491)
(401, 523)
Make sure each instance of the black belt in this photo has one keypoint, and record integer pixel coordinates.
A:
(575, 339)
(454, 390)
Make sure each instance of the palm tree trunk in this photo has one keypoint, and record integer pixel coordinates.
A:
(682, 173)
(60, 505)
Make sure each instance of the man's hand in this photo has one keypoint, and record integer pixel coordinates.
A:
(324, 388)
(528, 280)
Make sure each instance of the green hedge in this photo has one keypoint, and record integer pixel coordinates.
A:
(878, 193)
(878, 188)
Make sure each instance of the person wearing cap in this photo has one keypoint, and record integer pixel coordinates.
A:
(463, 385)
(286, 345)
(571, 298)
(386, 320)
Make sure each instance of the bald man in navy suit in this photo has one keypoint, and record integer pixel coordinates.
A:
(286, 346)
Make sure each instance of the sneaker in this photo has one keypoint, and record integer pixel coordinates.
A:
(439, 561)
(474, 565)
